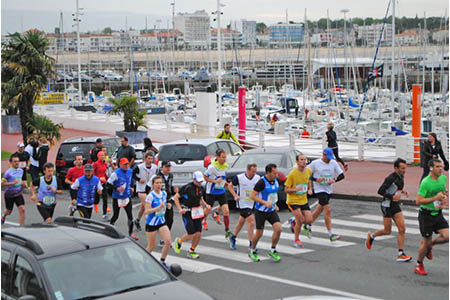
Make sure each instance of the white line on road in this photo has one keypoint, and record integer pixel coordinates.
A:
(368, 225)
(380, 219)
(12, 223)
(221, 253)
(314, 240)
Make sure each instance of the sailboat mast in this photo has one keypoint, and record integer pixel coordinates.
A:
(393, 62)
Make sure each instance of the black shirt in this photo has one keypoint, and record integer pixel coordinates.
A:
(37, 183)
(24, 156)
(168, 185)
(94, 153)
(391, 184)
(127, 152)
(190, 195)
(331, 139)
(261, 185)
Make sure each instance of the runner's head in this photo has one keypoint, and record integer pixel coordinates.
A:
(148, 158)
(49, 168)
(14, 161)
(435, 166)
(197, 178)
(221, 156)
(78, 162)
(124, 163)
(330, 126)
(271, 171)
(105, 150)
(400, 166)
(124, 141)
(301, 161)
(327, 155)
(101, 155)
(157, 183)
(226, 127)
(88, 171)
(165, 167)
(251, 170)
(99, 143)
(20, 147)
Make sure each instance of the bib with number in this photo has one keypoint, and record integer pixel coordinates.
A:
(247, 195)
(49, 200)
(273, 197)
(197, 212)
(303, 190)
(161, 212)
(326, 178)
(22, 164)
(123, 202)
(220, 185)
(437, 204)
(20, 181)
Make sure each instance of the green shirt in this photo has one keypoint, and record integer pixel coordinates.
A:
(430, 188)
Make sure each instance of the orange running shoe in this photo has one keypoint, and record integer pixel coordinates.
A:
(96, 208)
(419, 269)
(134, 237)
(108, 209)
(205, 225)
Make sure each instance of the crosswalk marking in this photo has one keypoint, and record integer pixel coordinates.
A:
(379, 218)
(261, 245)
(368, 225)
(415, 214)
(314, 240)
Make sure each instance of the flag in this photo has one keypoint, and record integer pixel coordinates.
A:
(375, 73)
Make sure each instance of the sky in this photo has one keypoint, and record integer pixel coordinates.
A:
(98, 14)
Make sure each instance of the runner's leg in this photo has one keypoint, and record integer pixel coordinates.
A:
(299, 220)
(129, 211)
(226, 216)
(239, 226)
(400, 222)
(425, 246)
(250, 226)
(316, 212)
(442, 238)
(387, 222)
(258, 234)
(116, 212)
(277, 228)
(327, 216)
(151, 240)
(196, 239)
(164, 233)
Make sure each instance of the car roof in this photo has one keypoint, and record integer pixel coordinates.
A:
(268, 150)
(204, 142)
(88, 139)
(57, 240)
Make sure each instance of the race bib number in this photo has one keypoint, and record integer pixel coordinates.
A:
(326, 178)
(386, 203)
(197, 212)
(273, 197)
(221, 185)
(20, 181)
(22, 164)
(123, 202)
(437, 203)
(161, 212)
(49, 200)
(247, 195)
(303, 190)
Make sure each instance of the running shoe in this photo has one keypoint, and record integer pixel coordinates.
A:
(228, 234)
(72, 209)
(165, 266)
(307, 230)
(134, 237)
(429, 253)
(205, 225)
(253, 256)
(403, 258)
(274, 255)
(96, 208)
(298, 244)
(161, 243)
(137, 223)
(216, 217)
(3, 219)
(105, 218)
(292, 222)
(345, 167)
(250, 245)
(334, 237)
(369, 241)
(419, 269)
(177, 246)
(193, 255)
(232, 240)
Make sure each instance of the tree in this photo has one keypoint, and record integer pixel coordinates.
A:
(128, 107)
(260, 27)
(41, 126)
(107, 30)
(25, 71)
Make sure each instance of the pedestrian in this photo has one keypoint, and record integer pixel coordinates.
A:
(155, 209)
(167, 179)
(226, 134)
(48, 188)
(87, 187)
(245, 183)
(215, 188)
(42, 153)
(297, 186)
(101, 170)
(332, 143)
(432, 148)
(97, 148)
(148, 146)
(13, 183)
(391, 190)
(126, 150)
(142, 175)
(75, 172)
(31, 149)
(432, 197)
(24, 159)
(120, 182)
(323, 175)
(189, 201)
(265, 195)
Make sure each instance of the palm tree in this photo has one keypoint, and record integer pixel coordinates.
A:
(25, 71)
(128, 107)
(41, 126)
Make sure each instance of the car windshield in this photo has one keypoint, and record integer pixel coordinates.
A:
(103, 271)
(260, 159)
(68, 151)
(182, 152)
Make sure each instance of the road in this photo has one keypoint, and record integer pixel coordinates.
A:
(344, 268)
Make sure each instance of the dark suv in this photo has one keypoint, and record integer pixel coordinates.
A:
(83, 259)
(82, 145)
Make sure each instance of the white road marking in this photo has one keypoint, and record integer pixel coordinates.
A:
(367, 225)
(380, 219)
(221, 253)
(314, 240)
(12, 223)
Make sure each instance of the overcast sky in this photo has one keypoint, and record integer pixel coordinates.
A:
(44, 14)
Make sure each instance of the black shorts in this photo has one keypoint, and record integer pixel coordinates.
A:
(245, 212)
(85, 212)
(73, 194)
(152, 228)
(211, 198)
(46, 211)
(192, 226)
(429, 224)
(324, 198)
(18, 200)
(301, 207)
(389, 212)
(261, 217)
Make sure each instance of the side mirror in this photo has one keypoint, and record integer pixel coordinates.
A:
(27, 297)
(175, 269)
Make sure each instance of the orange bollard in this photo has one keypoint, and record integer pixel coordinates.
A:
(416, 120)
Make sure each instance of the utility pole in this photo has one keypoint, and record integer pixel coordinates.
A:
(393, 64)
(345, 11)
(173, 37)
(77, 20)
(219, 49)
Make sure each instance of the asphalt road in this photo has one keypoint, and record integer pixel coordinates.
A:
(344, 268)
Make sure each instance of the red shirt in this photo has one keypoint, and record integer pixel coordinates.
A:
(100, 169)
(75, 173)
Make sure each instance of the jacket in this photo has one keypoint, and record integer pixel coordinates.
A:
(428, 151)
(226, 136)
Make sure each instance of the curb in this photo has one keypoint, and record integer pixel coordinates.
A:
(408, 202)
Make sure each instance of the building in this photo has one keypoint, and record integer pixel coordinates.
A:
(195, 28)
(286, 34)
(229, 38)
(162, 39)
(248, 31)
(370, 34)
(412, 38)
(263, 39)
(440, 35)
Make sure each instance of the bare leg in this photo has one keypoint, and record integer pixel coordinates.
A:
(151, 241)
(276, 233)
(258, 234)
(21, 215)
(239, 226)
(142, 197)
(400, 222)
(196, 239)
(164, 233)
(442, 238)
(250, 227)
(327, 216)
(386, 230)
(425, 246)
(299, 220)
(317, 212)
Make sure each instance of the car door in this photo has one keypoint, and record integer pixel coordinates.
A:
(26, 277)
(225, 147)
(6, 271)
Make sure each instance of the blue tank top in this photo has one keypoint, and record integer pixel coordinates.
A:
(123, 177)
(157, 217)
(270, 193)
(45, 195)
(87, 190)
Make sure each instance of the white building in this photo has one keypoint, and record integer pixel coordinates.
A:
(228, 37)
(195, 28)
(248, 30)
(370, 34)
(408, 38)
(440, 35)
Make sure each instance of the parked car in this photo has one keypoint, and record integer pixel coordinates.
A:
(85, 78)
(60, 78)
(284, 158)
(158, 76)
(82, 145)
(112, 77)
(77, 258)
(188, 156)
(139, 149)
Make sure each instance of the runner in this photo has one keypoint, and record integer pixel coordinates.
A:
(245, 184)
(215, 188)
(323, 172)
(332, 144)
(297, 185)
(432, 197)
(120, 182)
(142, 175)
(87, 187)
(391, 190)
(13, 183)
(48, 188)
(101, 171)
(75, 172)
(265, 194)
(155, 209)
(188, 201)
(171, 190)
(24, 159)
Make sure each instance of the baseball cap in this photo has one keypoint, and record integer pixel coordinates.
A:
(99, 140)
(329, 153)
(166, 163)
(20, 144)
(124, 161)
(198, 176)
(88, 167)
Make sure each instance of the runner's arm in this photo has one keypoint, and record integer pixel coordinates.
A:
(68, 175)
(382, 191)
(75, 185)
(234, 138)
(340, 177)
(254, 197)
(99, 188)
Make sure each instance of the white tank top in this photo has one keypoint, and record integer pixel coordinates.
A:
(147, 174)
(246, 187)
